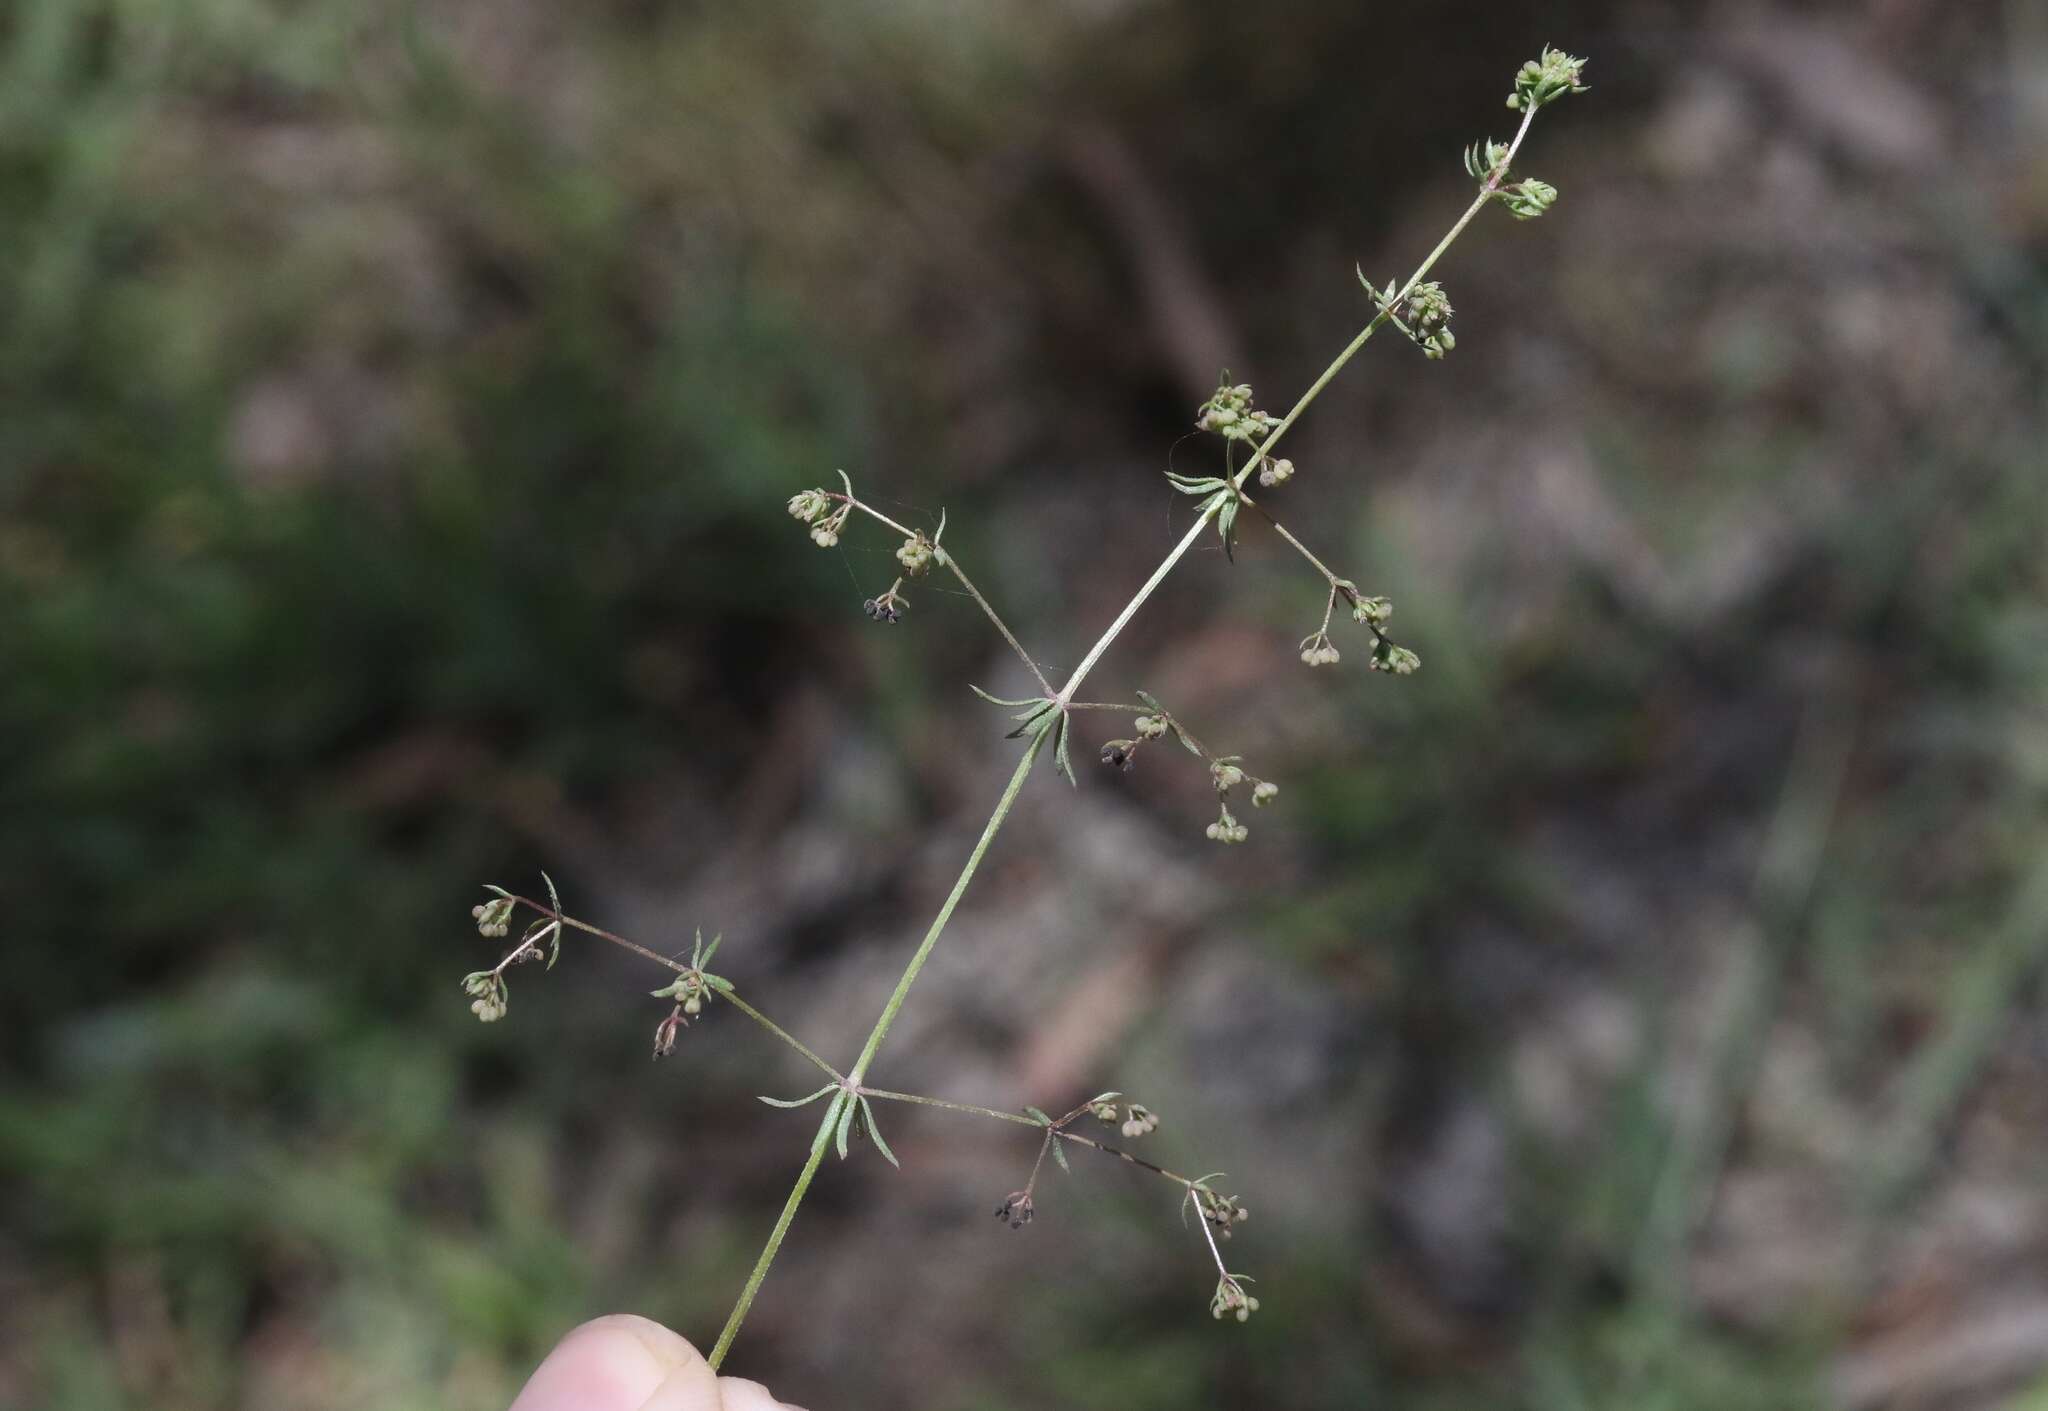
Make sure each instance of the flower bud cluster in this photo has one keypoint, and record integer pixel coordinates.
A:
(1317, 651)
(1546, 79)
(1133, 1119)
(1483, 159)
(1226, 828)
(1397, 661)
(1529, 199)
(1221, 1211)
(1226, 774)
(1275, 472)
(915, 555)
(489, 995)
(492, 917)
(1429, 319)
(1232, 1299)
(1230, 414)
(814, 507)
(1372, 612)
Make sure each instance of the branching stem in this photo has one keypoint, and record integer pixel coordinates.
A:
(658, 958)
(1062, 700)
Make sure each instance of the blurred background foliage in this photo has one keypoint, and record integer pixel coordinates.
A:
(1638, 1008)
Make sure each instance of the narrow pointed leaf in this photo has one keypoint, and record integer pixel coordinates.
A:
(710, 950)
(868, 1115)
(555, 950)
(801, 1101)
(845, 1127)
(719, 983)
(1059, 1154)
(1037, 1116)
(1060, 756)
(998, 700)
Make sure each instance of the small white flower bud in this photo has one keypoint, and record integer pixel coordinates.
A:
(1264, 792)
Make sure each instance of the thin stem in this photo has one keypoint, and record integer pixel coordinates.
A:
(970, 1108)
(945, 557)
(1123, 1155)
(938, 926)
(1031, 1181)
(659, 959)
(1299, 547)
(1008, 636)
(775, 1236)
(781, 1033)
(598, 931)
(1265, 447)
(1202, 1219)
(875, 1037)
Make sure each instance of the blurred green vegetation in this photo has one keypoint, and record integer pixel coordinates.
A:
(400, 404)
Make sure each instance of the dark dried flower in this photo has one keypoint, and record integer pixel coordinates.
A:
(1016, 1208)
(668, 1031)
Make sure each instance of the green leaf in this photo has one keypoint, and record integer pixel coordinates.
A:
(1060, 757)
(1196, 485)
(1038, 1116)
(1226, 524)
(801, 1101)
(709, 950)
(1034, 721)
(998, 700)
(719, 983)
(1105, 1097)
(1059, 1154)
(489, 887)
(845, 1127)
(555, 952)
(868, 1114)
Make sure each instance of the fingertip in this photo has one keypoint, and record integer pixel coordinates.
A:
(621, 1362)
(741, 1394)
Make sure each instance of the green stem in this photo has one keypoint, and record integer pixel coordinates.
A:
(938, 926)
(867, 1053)
(971, 1109)
(782, 1223)
(945, 557)
(1024, 762)
(659, 959)
(781, 1033)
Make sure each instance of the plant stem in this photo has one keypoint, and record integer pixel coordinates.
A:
(945, 557)
(782, 1223)
(938, 926)
(659, 959)
(1024, 762)
(971, 1109)
(1008, 636)
(867, 1053)
(781, 1033)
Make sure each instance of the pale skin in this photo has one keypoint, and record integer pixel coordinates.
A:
(627, 1363)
